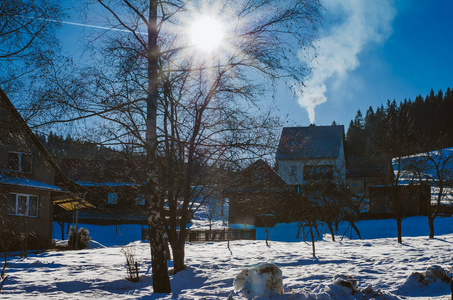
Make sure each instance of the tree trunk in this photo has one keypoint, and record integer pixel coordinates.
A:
(62, 229)
(398, 224)
(178, 250)
(431, 226)
(329, 224)
(267, 236)
(356, 230)
(312, 240)
(161, 280)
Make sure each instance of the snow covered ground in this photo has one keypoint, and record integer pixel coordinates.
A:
(99, 272)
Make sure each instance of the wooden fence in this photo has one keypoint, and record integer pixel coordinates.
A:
(215, 235)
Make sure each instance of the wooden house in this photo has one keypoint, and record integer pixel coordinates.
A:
(412, 200)
(259, 195)
(365, 172)
(30, 181)
(114, 186)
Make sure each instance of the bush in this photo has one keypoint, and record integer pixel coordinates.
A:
(83, 238)
(131, 264)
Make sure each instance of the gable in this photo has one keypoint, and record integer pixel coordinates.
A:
(259, 174)
(310, 142)
(16, 137)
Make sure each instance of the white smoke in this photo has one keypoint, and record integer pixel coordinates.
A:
(361, 22)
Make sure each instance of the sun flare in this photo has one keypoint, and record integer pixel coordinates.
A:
(207, 33)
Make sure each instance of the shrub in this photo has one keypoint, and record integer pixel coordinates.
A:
(131, 264)
(82, 238)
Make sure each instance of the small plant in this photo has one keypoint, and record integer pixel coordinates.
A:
(82, 238)
(131, 264)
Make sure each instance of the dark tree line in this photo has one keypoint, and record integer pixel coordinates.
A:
(425, 124)
(397, 131)
(61, 147)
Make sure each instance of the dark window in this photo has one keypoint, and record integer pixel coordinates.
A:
(13, 163)
(318, 172)
(140, 200)
(23, 205)
(112, 198)
(26, 163)
(20, 162)
(33, 206)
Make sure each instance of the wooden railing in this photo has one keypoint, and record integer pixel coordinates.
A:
(215, 235)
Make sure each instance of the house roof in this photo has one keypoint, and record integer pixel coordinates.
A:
(17, 181)
(61, 180)
(258, 177)
(27, 129)
(62, 183)
(310, 142)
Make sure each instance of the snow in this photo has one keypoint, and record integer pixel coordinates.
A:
(376, 267)
(264, 280)
(4, 179)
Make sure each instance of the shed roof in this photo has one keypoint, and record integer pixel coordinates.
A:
(310, 142)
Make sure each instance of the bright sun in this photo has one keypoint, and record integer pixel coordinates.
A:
(206, 33)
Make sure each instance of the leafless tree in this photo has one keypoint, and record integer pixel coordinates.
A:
(394, 143)
(433, 168)
(325, 198)
(27, 38)
(163, 98)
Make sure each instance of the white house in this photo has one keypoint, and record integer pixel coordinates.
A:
(313, 153)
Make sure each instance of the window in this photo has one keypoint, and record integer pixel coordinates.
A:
(23, 205)
(140, 200)
(20, 162)
(294, 171)
(318, 172)
(112, 198)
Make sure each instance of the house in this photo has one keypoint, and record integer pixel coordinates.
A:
(414, 200)
(259, 197)
(30, 180)
(365, 172)
(310, 154)
(112, 185)
(422, 180)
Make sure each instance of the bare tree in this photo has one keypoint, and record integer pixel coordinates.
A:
(434, 168)
(27, 38)
(325, 198)
(162, 97)
(394, 142)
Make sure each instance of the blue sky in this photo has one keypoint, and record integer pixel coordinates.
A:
(411, 52)
(369, 51)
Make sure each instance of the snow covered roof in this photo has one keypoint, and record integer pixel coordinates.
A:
(24, 182)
